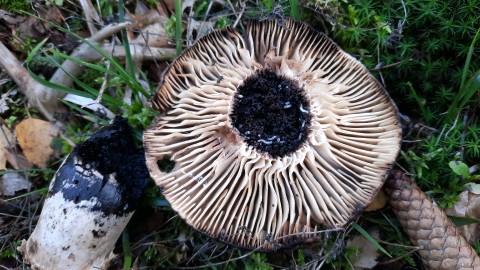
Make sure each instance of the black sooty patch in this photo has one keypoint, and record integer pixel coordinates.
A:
(99, 233)
(107, 170)
(271, 113)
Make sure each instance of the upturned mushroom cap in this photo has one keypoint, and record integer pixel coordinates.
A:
(272, 134)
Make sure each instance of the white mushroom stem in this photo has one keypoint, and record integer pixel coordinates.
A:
(71, 237)
(91, 199)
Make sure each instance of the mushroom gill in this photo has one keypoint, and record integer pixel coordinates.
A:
(272, 134)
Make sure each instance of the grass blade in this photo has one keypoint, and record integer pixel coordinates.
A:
(35, 50)
(85, 86)
(370, 238)
(91, 92)
(83, 63)
(466, 88)
(42, 191)
(472, 87)
(58, 86)
(126, 44)
(294, 12)
(469, 59)
(26, 170)
(47, 83)
(178, 26)
(128, 78)
(418, 99)
(460, 221)
(77, 108)
(127, 257)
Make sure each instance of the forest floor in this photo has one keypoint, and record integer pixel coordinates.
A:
(424, 52)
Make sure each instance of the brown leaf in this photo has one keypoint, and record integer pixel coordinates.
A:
(6, 141)
(16, 30)
(35, 136)
(367, 255)
(467, 207)
(11, 18)
(473, 208)
(378, 202)
(150, 23)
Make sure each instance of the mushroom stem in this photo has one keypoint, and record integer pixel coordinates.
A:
(91, 199)
(442, 245)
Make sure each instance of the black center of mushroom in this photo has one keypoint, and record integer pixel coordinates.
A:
(271, 113)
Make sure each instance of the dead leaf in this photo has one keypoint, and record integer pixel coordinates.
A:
(148, 28)
(187, 4)
(17, 161)
(473, 209)
(473, 188)
(35, 136)
(11, 18)
(17, 30)
(10, 183)
(378, 202)
(367, 252)
(5, 99)
(201, 28)
(6, 141)
(468, 206)
(460, 207)
(153, 35)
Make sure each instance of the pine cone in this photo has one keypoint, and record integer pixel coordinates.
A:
(442, 245)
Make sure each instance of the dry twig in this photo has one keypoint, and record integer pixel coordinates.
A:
(91, 15)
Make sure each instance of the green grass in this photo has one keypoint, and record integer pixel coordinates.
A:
(178, 26)
(294, 11)
(15, 6)
(467, 88)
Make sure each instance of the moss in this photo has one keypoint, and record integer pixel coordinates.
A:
(15, 6)
(424, 44)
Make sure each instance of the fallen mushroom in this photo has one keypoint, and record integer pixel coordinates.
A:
(273, 134)
(442, 245)
(90, 200)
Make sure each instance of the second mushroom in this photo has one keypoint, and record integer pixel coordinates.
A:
(274, 134)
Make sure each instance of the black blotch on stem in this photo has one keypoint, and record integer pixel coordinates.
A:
(107, 169)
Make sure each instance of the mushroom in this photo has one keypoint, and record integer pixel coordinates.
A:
(274, 135)
(90, 200)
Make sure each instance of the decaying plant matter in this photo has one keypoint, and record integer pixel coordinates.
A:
(442, 245)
